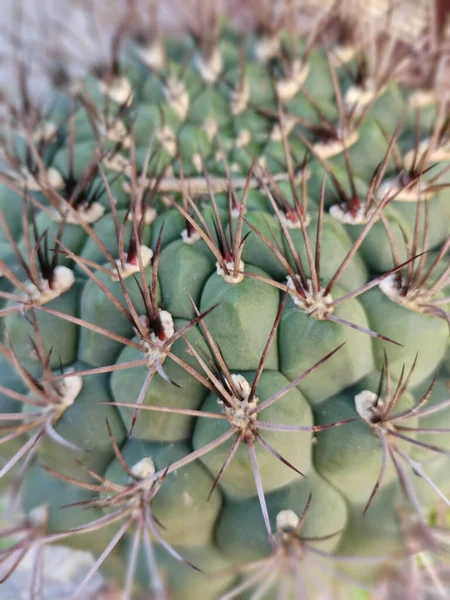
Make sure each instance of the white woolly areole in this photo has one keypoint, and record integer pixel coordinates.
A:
(26, 180)
(152, 55)
(236, 212)
(211, 68)
(242, 385)
(262, 163)
(177, 96)
(62, 280)
(288, 87)
(239, 415)
(357, 97)
(267, 47)
(44, 132)
(414, 298)
(190, 239)
(328, 149)
(439, 154)
(149, 215)
(230, 278)
(153, 352)
(70, 388)
(143, 468)
(392, 187)
(167, 323)
(197, 162)
(343, 54)
(365, 404)
(119, 89)
(289, 122)
(317, 306)
(38, 516)
(339, 213)
(287, 519)
(129, 268)
(118, 163)
(210, 127)
(422, 98)
(83, 214)
(114, 130)
(243, 138)
(389, 287)
(167, 139)
(220, 156)
(295, 224)
(239, 98)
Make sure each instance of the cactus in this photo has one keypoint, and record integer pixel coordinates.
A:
(224, 299)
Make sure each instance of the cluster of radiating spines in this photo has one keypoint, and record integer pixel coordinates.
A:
(26, 536)
(155, 329)
(20, 170)
(423, 572)
(379, 411)
(37, 276)
(422, 284)
(131, 505)
(411, 181)
(294, 568)
(297, 568)
(40, 408)
(42, 279)
(239, 406)
(126, 504)
(309, 292)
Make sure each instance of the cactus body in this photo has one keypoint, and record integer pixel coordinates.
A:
(227, 291)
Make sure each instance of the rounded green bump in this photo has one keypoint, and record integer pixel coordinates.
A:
(242, 536)
(438, 420)
(335, 245)
(181, 580)
(243, 318)
(417, 332)
(303, 340)
(96, 349)
(256, 252)
(40, 488)
(172, 224)
(58, 335)
(184, 268)
(187, 393)
(180, 504)
(350, 456)
(292, 409)
(105, 230)
(84, 424)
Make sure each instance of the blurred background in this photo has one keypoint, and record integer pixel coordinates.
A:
(78, 33)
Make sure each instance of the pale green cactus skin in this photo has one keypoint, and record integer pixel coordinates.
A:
(339, 466)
